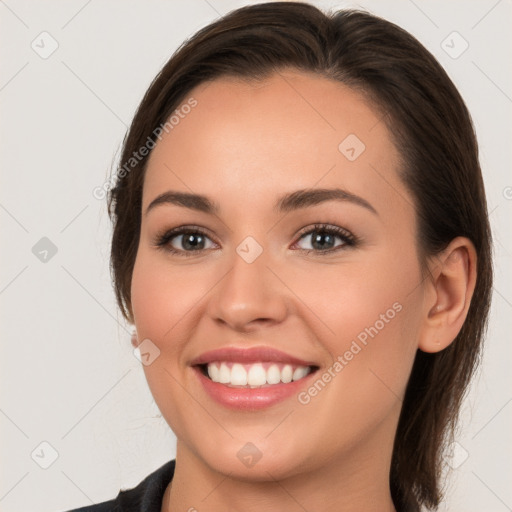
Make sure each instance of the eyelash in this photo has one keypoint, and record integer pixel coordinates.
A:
(350, 240)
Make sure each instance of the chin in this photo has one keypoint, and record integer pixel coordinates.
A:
(254, 462)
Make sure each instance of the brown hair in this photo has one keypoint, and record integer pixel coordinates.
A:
(433, 132)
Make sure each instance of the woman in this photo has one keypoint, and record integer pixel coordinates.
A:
(302, 245)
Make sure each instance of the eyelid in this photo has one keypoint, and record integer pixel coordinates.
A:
(319, 226)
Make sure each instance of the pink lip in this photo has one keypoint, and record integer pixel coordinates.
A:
(246, 398)
(249, 355)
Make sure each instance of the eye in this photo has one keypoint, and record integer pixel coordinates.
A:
(192, 240)
(324, 237)
(183, 241)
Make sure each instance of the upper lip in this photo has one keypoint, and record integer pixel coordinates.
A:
(249, 355)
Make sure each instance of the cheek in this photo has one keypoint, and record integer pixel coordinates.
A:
(162, 297)
(167, 304)
(373, 316)
(372, 312)
(160, 302)
(352, 297)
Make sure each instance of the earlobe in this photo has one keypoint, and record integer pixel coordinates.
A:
(134, 339)
(453, 283)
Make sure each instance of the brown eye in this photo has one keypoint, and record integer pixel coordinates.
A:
(184, 241)
(323, 238)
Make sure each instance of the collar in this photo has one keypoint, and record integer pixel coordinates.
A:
(149, 494)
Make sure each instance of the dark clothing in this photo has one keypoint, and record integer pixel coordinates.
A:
(146, 497)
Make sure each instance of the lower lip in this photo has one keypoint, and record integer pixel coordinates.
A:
(250, 399)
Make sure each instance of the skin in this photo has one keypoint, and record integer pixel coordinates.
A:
(244, 145)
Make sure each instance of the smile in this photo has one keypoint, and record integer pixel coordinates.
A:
(251, 378)
(261, 374)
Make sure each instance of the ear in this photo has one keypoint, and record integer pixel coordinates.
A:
(448, 294)
(135, 341)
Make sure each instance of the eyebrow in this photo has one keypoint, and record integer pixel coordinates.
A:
(289, 202)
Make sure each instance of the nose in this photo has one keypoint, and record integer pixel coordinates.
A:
(249, 295)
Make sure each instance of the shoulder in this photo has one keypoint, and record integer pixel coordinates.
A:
(147, 496)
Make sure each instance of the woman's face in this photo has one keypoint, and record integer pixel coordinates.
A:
(256, 273)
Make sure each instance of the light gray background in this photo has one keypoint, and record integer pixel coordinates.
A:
(69, 377)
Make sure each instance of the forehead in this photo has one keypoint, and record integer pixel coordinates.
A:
(264, 138)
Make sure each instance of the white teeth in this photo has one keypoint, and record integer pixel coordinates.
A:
(238, 375)
(224, 373)
(273, 375)
(255, 375)
(300, 372)
(286, 374)
(213, 372)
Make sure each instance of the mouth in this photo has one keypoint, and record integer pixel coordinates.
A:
(254, 375)
(251, 378)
